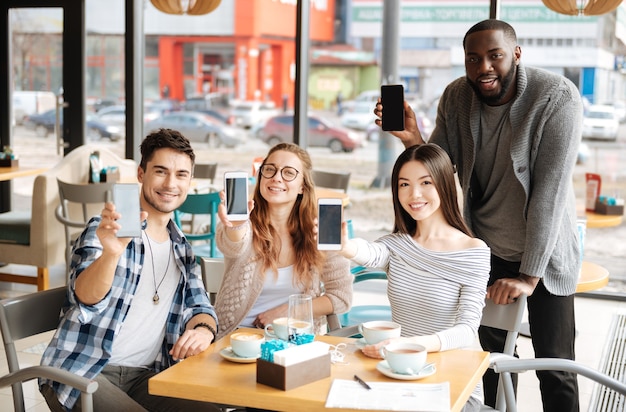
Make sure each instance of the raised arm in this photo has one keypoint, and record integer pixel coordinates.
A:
(411, 135)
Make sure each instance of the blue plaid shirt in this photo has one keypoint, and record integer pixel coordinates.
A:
(83, 341)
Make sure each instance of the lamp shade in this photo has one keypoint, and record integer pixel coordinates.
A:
(584, 7)
(192, 7)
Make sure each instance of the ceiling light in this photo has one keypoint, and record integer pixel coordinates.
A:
(582, 7)
(191, 7)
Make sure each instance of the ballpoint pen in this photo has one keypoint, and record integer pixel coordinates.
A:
(362, 382)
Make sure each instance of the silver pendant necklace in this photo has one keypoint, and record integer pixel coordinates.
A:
(155, 298)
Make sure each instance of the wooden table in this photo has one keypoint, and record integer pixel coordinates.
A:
(592, 276)
(208, 377)
(9, 173)
(596, 220)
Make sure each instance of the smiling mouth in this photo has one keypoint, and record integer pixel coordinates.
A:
(488, 83)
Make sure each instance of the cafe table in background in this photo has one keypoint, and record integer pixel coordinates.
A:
(211, 378)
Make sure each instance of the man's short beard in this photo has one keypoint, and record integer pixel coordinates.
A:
(505, 83)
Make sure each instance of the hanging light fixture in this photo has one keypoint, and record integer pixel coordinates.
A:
(582, 7)
(191, 7)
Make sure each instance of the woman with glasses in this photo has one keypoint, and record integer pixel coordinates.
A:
(274, 254)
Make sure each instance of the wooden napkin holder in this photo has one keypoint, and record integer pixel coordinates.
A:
(6, 162)
(292, 376)
(605, 209)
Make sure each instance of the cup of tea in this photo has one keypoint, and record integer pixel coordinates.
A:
(379, 330)
(278, 329)
(247, 344)
(404, 357)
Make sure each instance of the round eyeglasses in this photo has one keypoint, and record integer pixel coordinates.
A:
(288, 173)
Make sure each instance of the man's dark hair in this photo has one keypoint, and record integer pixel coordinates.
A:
(493, 24)
(164, 139)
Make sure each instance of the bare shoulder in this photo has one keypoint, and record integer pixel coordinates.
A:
(474, 242)
(468, 242)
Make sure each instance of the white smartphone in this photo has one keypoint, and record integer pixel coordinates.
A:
(236, 190)
(329, 217)
(126, 200)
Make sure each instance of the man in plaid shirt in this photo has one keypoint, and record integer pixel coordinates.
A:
(135, 305)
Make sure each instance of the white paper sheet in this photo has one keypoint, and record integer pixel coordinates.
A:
(389, 396)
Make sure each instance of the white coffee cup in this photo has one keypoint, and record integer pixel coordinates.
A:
(379, 330)
(404, 357)
(247, 344)
(278, 329)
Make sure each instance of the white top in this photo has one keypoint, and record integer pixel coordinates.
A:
(140, 338)
(276, 291)
(432, 292)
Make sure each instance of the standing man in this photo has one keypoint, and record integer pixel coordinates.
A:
(513, 133)
(136, 305)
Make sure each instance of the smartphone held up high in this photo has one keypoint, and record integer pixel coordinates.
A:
(392, 99)
(126, 200)
(329, 217)
(236, 190)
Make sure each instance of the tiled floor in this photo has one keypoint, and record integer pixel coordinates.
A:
(593, 322)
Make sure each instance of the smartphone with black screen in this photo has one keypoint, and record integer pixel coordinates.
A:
(392, 98)
(126, 200)
(236, 190)
(329, 217)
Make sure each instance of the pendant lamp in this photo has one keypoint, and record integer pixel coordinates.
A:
(191, 7)
(582, 7)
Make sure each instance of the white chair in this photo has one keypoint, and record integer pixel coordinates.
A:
(506, 366)
(509, 318)
(212, 275)
(31, 315)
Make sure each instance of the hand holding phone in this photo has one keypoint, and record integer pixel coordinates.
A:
(329, 218)
(392, 99)
(126, 200)
(236, 192)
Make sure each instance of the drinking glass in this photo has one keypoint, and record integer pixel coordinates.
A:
(300, 317)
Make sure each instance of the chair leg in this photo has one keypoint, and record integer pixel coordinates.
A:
(43, 279)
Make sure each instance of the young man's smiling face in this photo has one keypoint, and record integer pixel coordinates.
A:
(491, 66)
(166, 180)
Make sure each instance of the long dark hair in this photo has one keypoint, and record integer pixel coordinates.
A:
(438, 164)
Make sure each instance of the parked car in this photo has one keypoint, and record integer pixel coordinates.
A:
(250, 114)
(620, 109)
(219, 115)
(43, 125)
(199, 127)
(321, 133)
(113, 115)
(26, 103)
(360, 116)
(600, 122)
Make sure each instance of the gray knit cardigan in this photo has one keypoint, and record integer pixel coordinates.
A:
(243, 282)
(546, 119)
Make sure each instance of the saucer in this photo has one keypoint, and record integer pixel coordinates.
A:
(383, 367)
(228, 354)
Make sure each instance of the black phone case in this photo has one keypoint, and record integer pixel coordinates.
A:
(392, 97)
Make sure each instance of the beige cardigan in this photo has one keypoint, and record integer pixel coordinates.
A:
(243, 282)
